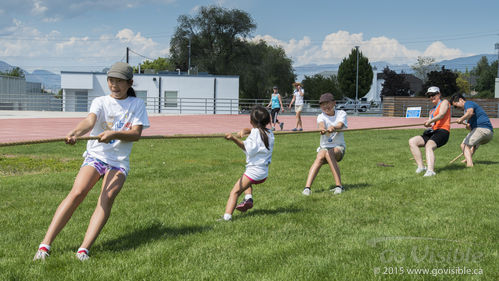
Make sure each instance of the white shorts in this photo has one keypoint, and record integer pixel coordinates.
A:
(298, 108)
(341, 148)
(256, 173)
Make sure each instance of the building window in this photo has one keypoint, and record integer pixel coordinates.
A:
(171, 98)
(142, 95)
(81, 101)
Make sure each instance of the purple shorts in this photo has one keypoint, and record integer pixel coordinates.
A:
(101, 167)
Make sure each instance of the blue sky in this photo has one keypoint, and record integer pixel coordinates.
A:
(92, 34)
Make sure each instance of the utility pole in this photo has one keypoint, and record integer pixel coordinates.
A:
(357, 80)
(497, 48)
(127, 54)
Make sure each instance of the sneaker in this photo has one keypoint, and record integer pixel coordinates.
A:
(281, 125)
(222, 218)
(337, 190)
(301, 129)
(245, 205)
(82, 254)
(307, 191)
(429, 173)
(273, 128)
(420, 170)
(294, 130)
(41, 255)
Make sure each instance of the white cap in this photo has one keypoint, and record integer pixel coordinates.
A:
(433, 90)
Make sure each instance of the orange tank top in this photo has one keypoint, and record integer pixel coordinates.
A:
(443, 123)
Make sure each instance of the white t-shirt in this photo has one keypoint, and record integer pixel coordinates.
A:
(299, 98)
(117, 115)
(258, 157)
(336, 138)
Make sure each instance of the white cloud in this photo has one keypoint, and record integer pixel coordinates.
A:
(336, 46)
(440, 52)
(28, 48)
(38, 8)
(195, 10)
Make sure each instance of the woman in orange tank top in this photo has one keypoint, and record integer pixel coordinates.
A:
(435, 137)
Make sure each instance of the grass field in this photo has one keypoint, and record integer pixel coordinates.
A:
(389, 222)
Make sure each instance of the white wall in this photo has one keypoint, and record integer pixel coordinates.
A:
(195, 94)
(77, 80)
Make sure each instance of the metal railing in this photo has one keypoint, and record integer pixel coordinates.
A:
(30, 101)
(48, 102)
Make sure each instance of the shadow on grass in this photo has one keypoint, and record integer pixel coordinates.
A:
(264, 212)
(451, 167)
(485, 162)
(154, 232)
(462, 166)
(346, 187)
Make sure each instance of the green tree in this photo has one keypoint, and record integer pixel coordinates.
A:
(445, 79)
(159, 64)
(395, 84)
(423, 66)
(485, 77)
(213, 35)
(15, 72)
(463, 82)
(347, 75)
(318, 84)
(218, 43)
(260, 67)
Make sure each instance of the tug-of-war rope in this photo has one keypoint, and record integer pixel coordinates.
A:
(203, 136)
(186, 136)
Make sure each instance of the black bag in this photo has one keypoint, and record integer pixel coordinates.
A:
(428, 132)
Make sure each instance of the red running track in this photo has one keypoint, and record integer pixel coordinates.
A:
(26, 129)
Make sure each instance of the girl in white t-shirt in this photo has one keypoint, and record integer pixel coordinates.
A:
(258, 148)
(298, 100)
(117, 120)
(332, 144)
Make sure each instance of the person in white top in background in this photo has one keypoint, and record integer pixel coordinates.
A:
(332, 144)
(117, 120)
(298, 100)
(258, 148)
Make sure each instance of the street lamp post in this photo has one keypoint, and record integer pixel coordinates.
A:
(496, 90)
(189, 63)
(357, 81)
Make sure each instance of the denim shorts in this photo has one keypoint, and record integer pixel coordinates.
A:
(101, 167)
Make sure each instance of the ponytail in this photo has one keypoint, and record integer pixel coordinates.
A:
(260, 118)
(264, 136)
(131, 92)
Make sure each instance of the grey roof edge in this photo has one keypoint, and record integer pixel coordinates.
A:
(158, 74)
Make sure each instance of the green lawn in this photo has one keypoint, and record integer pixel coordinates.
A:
(163, 226)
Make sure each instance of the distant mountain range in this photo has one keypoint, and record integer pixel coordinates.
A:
(48, 79)
(52, 80)
(460, 64)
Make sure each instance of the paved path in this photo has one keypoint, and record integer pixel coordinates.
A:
(25, 126)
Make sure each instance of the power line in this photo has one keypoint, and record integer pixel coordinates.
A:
(140, 54)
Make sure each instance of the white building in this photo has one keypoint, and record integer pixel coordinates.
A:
(168, 93)
(374, 94)
(18, 94)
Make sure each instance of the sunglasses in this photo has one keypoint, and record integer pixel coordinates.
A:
(431, 95)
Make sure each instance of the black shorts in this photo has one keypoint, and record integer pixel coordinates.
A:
(439, 136)
(274, 112)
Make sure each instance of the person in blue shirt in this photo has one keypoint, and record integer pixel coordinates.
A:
(276, 103)
(475, 120)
